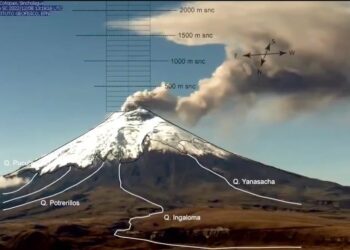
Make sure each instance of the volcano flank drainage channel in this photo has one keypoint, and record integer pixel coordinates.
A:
(16, 191)
(41, 189)
(58, 193)
(192, 246)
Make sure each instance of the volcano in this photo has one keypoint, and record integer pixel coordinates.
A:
(138, 181)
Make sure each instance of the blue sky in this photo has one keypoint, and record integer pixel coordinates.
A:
(47, 98)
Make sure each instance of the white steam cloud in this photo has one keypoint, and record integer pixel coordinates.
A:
(11, 182)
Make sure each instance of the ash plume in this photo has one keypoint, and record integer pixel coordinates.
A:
(317, 76)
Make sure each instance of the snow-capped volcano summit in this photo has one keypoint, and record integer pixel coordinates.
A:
(119, 133)
(120, 136)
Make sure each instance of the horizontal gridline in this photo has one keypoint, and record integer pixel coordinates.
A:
(126, 86)
(127, 47)
(122, 68)
(129, 39)
(128, 25)
(130, 76)
(120, 52)
(126, 82)
(128, 31)
(125, 71)
(121, 56)
(118, 91)
(131, 46)
(132, 60)
(122, 35)
(134, 50)
(122, 10)
(133, 5)
(117, 69)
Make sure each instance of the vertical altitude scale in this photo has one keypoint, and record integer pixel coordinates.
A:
(128, 49)
(128, 53)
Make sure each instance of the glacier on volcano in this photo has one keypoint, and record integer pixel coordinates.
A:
(120, 136)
